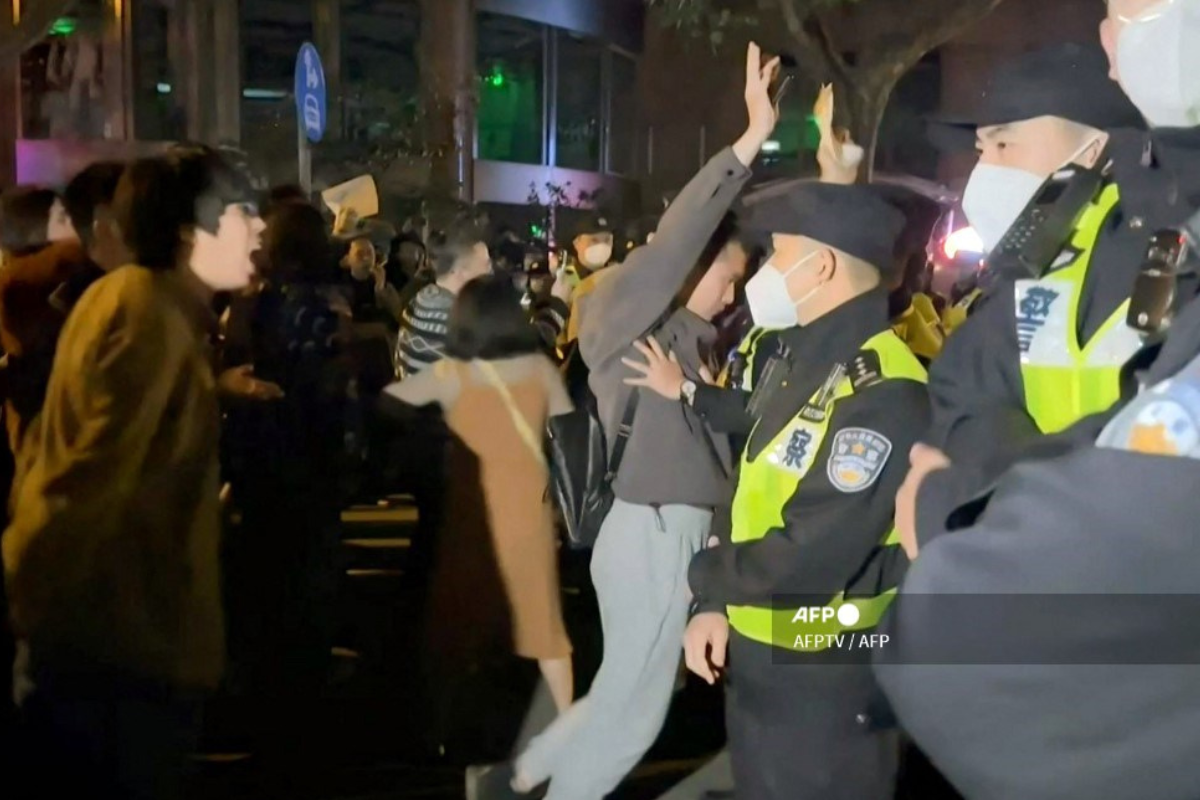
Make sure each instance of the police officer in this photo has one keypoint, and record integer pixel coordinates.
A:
(1043, 353)
(1040, 352)
(1101, 516)
(1088, 551)
(813, 507)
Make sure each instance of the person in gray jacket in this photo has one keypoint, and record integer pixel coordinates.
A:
(674, 473)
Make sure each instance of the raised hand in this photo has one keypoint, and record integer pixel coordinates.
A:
(761, 110)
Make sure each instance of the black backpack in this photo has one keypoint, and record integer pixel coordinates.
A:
(581, 472)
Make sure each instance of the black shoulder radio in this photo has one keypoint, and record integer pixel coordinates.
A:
(1156, 289)
(1034, 241)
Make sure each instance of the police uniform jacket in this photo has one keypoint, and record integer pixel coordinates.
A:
(1094, 545)
(976, 385)
(831, 539)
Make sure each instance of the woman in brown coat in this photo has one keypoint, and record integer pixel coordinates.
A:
(497, 390)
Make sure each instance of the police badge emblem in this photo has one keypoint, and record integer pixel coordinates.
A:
(1164, 421)
(857, 458)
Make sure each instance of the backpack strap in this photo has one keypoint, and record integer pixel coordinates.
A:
(624, 431)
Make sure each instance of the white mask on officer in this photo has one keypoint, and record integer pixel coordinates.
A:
(996, 195)
(771, 305)
(1159, 63)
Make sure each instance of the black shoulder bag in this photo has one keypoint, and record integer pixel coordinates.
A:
(581, 471)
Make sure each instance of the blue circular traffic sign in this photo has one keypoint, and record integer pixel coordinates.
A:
(310, 92)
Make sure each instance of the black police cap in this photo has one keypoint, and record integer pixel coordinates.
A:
(856, 220)
(592, 223)
(1067, 80)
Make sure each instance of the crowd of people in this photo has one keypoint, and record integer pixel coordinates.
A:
(808, 465)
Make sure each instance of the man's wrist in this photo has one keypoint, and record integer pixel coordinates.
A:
(748, 146)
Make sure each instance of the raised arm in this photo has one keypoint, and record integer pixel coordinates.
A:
(626, 304)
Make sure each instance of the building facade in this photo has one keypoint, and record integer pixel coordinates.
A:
(491, 101)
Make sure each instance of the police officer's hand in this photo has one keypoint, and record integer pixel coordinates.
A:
(661, 373)
(762, 111)
(705, 644)
(924, 460)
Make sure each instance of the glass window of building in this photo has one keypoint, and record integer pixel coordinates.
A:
(580, 102)
(511, 62)
(157, 115)
(623, 116)
(63, 87)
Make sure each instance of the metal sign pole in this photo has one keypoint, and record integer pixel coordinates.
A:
(311, 110)
(304, 160)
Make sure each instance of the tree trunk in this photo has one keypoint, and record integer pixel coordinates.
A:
(448, 94)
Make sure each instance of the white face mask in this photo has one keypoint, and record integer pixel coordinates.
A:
(996, 196)
(1159, 63)
(597, 255)
(770, 304)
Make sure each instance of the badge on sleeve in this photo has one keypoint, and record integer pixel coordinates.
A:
(1163, 421)
(857, 458)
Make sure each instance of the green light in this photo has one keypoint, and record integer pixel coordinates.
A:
(63, 26)
(537, 231)
(497, 78)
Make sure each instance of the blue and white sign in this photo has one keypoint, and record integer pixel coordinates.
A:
(310, 92)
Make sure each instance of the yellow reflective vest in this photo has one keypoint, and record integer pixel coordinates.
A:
(766, 485)
(1065, 382)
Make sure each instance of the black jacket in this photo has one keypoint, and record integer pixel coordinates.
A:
(976, 386)
(831, 539)
(1095, 549)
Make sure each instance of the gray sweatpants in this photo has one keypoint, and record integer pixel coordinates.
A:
(639, 569)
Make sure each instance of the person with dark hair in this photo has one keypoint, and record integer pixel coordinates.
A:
(458, 255)
(279, 197)
(497, 390)
(111, 557)
(38, 289)
(284, 461)
(30, 219)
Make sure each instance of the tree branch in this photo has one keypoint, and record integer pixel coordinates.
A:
(813, 48)
(926, 26)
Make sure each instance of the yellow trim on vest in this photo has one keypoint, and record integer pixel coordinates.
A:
(1063, 381)
(767, 483)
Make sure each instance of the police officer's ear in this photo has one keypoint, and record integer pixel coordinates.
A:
(826, 265)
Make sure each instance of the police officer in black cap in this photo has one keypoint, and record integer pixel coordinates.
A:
(592, 245)
(839, 406)
(1044, 348)
(1102, 516)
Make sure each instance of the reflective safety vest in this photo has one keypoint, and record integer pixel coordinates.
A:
(767, 483)
(745, 354)
(1064, 382)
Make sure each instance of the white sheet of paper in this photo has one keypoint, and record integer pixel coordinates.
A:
(359, 195)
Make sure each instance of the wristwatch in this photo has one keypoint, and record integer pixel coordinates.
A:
(687, 390)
